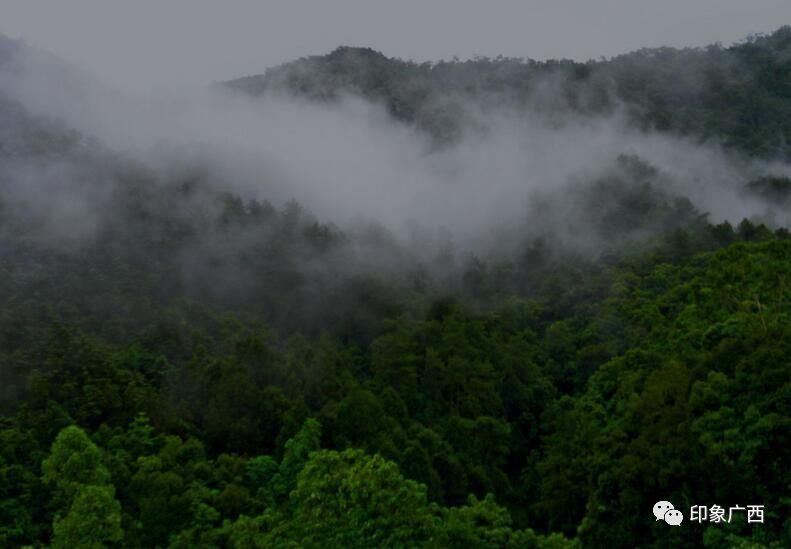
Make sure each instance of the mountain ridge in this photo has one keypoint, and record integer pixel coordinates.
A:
(713, 93)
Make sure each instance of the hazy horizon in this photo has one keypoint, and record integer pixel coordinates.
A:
(148, 45)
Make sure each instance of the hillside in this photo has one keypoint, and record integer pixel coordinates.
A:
(191, 357)
(737, 94)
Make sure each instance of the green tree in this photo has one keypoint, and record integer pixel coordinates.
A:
(73, 462)
(350, 499)
(92, 521)
(89, 515)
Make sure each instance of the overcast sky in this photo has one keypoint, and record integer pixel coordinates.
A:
(142, 44)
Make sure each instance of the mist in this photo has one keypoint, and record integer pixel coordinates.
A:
(512, 172)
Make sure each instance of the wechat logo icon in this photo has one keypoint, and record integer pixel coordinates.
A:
(664, 510)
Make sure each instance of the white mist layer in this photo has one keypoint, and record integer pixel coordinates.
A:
(348, 161)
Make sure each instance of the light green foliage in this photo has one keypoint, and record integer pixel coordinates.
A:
(92, 522)
(90, 515)
(349, 499)
(74, 461)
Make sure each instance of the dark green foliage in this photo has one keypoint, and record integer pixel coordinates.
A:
(180, 379)
(670, 380)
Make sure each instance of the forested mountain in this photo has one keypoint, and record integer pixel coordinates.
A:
(738, 95)
(189, 361)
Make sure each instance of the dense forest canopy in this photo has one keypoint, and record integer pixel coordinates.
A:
(313, 328)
